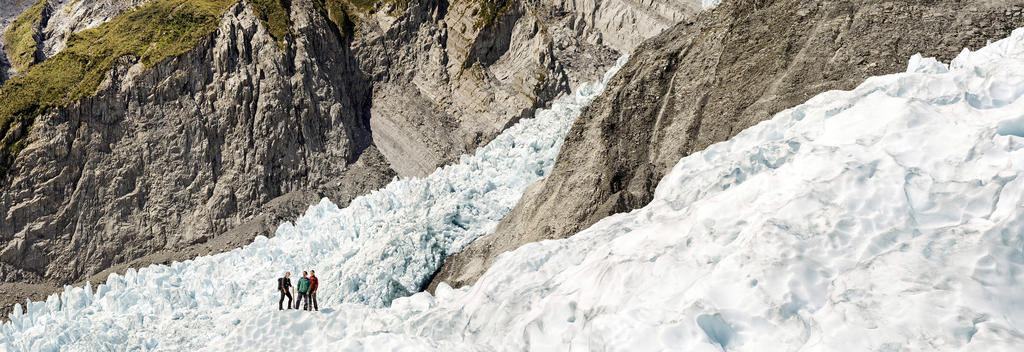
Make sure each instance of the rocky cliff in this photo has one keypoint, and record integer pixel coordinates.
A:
(178, 154)
(705, 80)
(203, 151)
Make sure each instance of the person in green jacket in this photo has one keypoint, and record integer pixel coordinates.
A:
(303, 289)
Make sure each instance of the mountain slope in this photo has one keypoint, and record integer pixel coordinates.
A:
(381, 246)
(704, 81)
(205, 129)
(885, 217)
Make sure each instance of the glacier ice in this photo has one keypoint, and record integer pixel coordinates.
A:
(888, 217)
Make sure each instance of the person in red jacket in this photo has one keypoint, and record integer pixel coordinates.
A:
(313, 283)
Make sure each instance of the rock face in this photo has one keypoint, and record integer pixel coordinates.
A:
(705, 80)
(174, 155)
(622, 25)
(207, 150)
(431, 106)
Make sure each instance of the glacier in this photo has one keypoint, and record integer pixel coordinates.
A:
(887, 217)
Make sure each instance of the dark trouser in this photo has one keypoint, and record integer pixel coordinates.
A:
(301, 295)
(312, 297)
(283, 295)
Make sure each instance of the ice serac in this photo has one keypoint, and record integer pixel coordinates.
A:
(705, 80)
(887, 216)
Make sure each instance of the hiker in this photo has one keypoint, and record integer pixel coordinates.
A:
(284, 285)
(303, 288)
(313, 282)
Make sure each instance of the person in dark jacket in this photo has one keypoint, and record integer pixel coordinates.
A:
(313, 283)
(303, 288)
(284, 285)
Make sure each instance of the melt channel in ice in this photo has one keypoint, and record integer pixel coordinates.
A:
(383, 245)
(888, 217)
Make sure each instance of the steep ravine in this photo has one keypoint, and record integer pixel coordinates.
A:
(470, 83)
(206, 150)
(705, 80)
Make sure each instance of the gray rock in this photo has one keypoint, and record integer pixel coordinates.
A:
(622, 25)
(176, 155)
(705, 80)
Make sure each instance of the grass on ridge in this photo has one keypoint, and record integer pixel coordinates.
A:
(21, 45)
(275, 16)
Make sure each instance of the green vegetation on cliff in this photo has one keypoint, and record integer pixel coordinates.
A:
(339, 15)
(344, 14)
(490, 10)
(20, 39)
(152, 33)
(275, 16)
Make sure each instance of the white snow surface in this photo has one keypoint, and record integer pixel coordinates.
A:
(889, 217)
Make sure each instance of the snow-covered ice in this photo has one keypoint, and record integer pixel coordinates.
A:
(889, 217)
